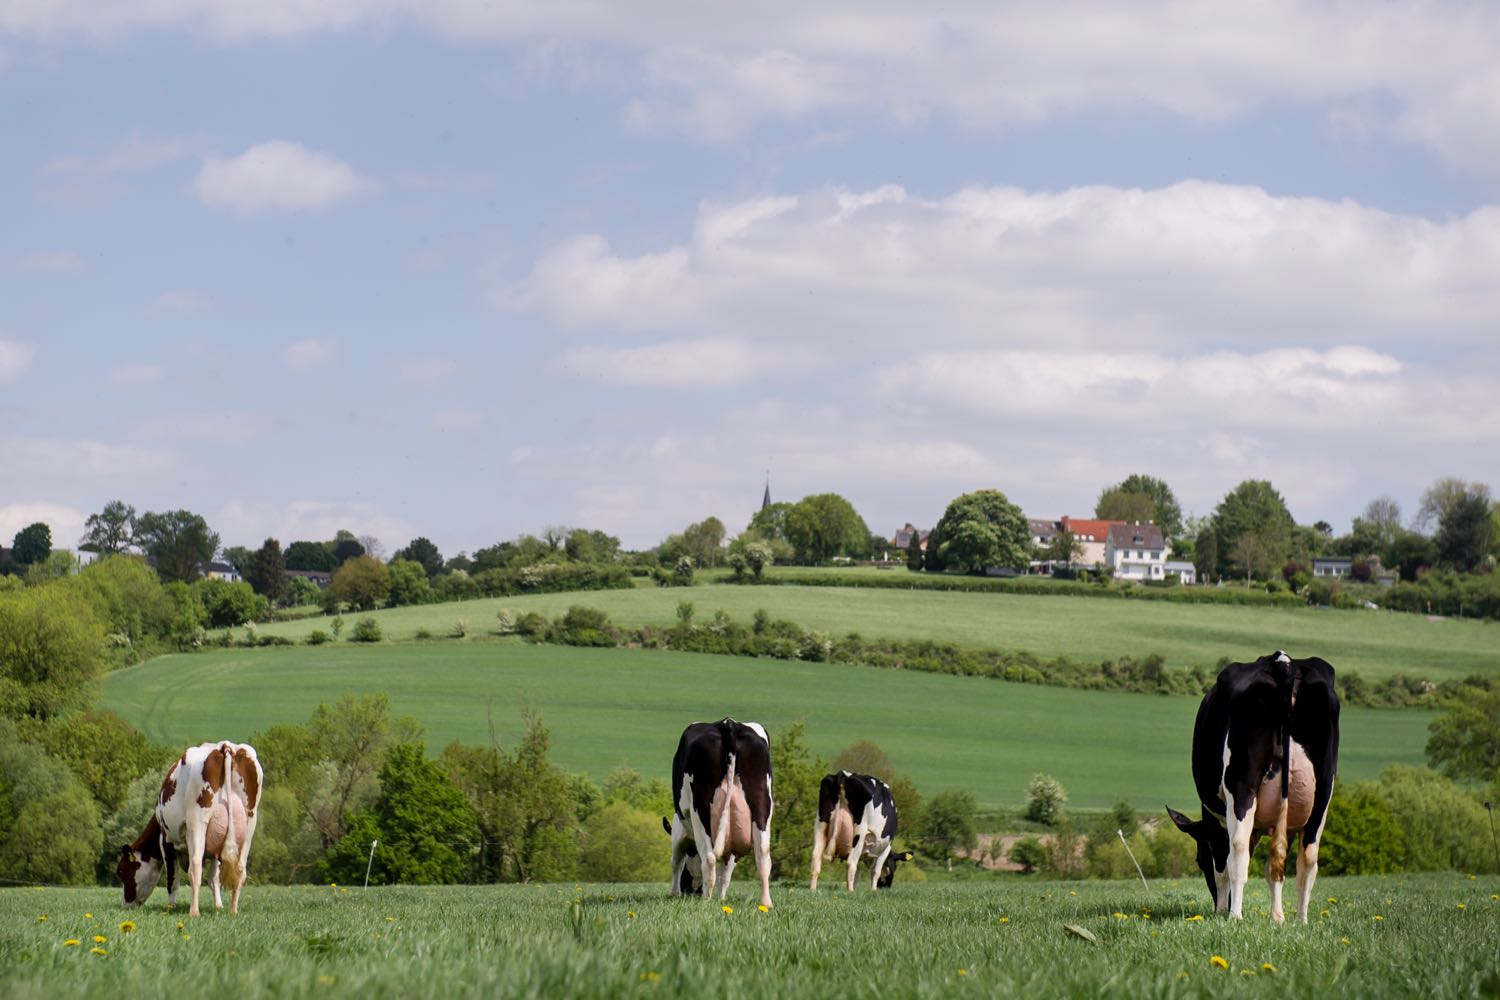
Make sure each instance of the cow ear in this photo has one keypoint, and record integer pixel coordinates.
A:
(1183, 823)
(665, 825)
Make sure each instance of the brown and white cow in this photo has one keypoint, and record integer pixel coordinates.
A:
(1265, 752)
(206, 810)
(721, 790)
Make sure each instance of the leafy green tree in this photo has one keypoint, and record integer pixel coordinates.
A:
(1206, 553)
(239, 557)
(1383, 515)
(1465, 740)
(228, 604)
(758, 556)
(950, 824)
(111, 531)
(1445, 826)
(1252, 510)
(703, 542)
(864, 757)
(1064, 548)
(408, 583)
(915, 557)
(769, 522)
(1463, 535)
(826, 525)
(623, 844)
(626, 784)
(266, 572)
(426, 829)
(1029, 853)
(54, 839)
(179, 542)
(1410, 554)
(32, 544)
(104, 752)
(1045, 799)
(363, 582)
(980, 530)
(310, 557)
(346, 743)
(346, 547)
(1123, 502)
(1437, 499)
(797, 774)
(425, 554)
(51, 653)
(128, 598)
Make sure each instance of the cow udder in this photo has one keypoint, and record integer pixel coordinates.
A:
(1299, 792)
(218, 823)
(737, 842)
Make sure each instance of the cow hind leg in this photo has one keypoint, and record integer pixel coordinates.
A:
(1307, 872)
(215, 877)
(855, 853)
(762, 845)
(820, 840)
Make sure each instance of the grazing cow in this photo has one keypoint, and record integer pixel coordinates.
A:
(1265, 749)
(856, 817)
(206, 810)
(721, 793)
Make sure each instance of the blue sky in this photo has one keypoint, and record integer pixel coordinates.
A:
(467, 270)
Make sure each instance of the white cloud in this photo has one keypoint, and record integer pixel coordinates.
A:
(1094, 268)
(675, 364)
(137, 374)
(456, 418)
(66, 522)
(15, 359)
(717, 69)
(306, 520)
(137, 155)
(278, 175)
(49, 261)
(425, 371)
(308, 353)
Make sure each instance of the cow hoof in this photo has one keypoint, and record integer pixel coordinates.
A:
(1278, 917)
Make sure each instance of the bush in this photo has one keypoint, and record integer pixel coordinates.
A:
(366, 630)
(1029, 853)
(506, 621)
(623, 844)
(422, 633)
(532, 626)
(1045, 800)
(583, 626)
(1361, 836)
(317, 637)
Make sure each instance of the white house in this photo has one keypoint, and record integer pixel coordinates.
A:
(1136, 551)
(1186, 572)
(1332, 568)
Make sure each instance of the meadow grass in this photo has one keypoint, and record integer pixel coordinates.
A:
(607, 707)
(1389, 936)
(1376, 644)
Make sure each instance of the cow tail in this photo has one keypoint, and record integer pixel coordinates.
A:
(841, 806)
(1278, 838)
(229, 854)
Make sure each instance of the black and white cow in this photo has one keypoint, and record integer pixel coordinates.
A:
(856, 817)
(721, 790)
(1265, 749)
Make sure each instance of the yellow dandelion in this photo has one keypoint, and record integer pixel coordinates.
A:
(42, 919)
(187, 937)
(343, 890)
(1247, 972)
(650, 977)
(100, 939)
(1119, 915)
(1267, 967)
(72, 943)
(1219, 962)
(1379, 917)
(727, 909)
(1196, 916)
(963, 972)
(1072, 892)
(1462, 906)
(1322, 913)
(1343, 940)
(1495, 896)
(97, 951)
(88, 916)
(326, 980)
(1333, 899)
(630, 914)
(126, 926)
(179, 925)
(333, 885)
(1145, 916)
(763, 908)
(1005, 920)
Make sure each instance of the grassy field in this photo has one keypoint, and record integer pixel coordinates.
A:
(1376, 644)
(1416, 936)
(607, 707)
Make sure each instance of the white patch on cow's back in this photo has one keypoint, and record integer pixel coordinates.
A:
(759, 731)
(1280, 657)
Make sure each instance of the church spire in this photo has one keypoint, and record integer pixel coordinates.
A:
(766, 500)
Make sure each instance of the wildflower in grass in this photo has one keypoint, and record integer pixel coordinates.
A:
(179, 925)
(1219, 962)
(963, 972)
(1494, 896)
(42, 919)
(1333, 899)
(1267, 967)
(1322, 913)
(97, 951)
(1005, 920)
(650, 977)
(89, 916)
(100, 939)
(1196, 916)
(1343, 940)
(630, 914)
(327, 980)
(390, 920)
(728, 909)
(72, 943)
(187, 937)
(126, 926)
(763, 908)
(1379, 917)
(1120, 916)
(1462, 906)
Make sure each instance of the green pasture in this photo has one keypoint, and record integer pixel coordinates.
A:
(1377, 644)
(1406, 936)
(607, 707)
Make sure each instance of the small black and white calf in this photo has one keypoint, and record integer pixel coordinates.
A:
(856, 818)
(721, 790)
(1265, 750)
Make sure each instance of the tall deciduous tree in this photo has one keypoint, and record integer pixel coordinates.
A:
(703, 542)
(770, 522)
(1383, 515)
(363, 582)
(178, 540)
(110, 531)
(51, 653)
(1122, 502)
(32, 544)
(980, 530)
(1436, 499)
(310, 557)
(914, 555)
(267, 571)
(1463, 535)
(424, 553)
(1465, 740)
(346, 547)
(1252, 508)
(825, 525)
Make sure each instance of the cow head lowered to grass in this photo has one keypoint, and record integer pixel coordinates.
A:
(1265, 750)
